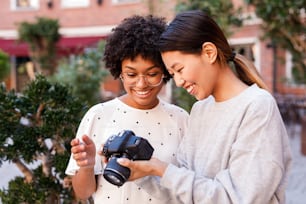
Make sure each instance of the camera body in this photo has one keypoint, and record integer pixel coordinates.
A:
(124, 145)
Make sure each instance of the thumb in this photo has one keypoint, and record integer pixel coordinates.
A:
(124, 162)
(87, 140)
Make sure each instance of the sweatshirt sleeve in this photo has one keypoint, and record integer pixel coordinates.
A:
(152, 185)
(189, 188)
(257, 165)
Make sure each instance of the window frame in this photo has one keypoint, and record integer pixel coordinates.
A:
(75, 3)
(125, 1)
(33, 5)
(254, 42)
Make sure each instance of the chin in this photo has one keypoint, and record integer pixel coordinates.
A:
(200, 97)
(144, 104)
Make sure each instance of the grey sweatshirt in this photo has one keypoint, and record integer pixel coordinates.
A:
(236, 151)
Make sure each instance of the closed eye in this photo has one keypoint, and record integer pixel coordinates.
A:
(153, 74)
(131, 75)
(180, 70)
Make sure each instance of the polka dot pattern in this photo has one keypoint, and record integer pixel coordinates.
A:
(163, 126)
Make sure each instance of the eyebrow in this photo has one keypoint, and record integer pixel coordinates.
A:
(147, 69)
(174, 65)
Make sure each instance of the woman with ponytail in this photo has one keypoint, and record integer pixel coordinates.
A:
(236, 149)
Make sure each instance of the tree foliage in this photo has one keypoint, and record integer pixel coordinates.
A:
(41, 37)
(83, 74)
(284, 23)
(4, 65)
(222, 11)
(182, 98)
(36, 128)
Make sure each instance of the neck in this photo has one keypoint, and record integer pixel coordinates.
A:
(228, 85)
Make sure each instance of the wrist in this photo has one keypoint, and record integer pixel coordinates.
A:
(87, 169)
(160, 169)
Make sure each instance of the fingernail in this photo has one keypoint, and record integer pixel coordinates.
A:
(120, 160)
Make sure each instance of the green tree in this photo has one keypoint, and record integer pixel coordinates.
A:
(4, 65)
(42, 37)
(36, 128)
(222, 11)
(284, 23)
(225, 15)
(182, 98)
(84, 74)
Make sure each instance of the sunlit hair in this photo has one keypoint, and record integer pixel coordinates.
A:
(134, 36)
(189, 30)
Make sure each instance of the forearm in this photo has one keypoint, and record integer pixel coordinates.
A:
(84, 183)
(159, 168)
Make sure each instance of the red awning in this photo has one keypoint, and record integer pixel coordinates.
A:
(12, 47)
(76, 45)
(66, 45)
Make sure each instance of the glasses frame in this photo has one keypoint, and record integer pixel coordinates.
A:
(146, 80)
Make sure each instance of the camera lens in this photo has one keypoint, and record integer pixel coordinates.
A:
(115, 173)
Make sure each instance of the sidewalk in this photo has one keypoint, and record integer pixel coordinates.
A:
(296, 189)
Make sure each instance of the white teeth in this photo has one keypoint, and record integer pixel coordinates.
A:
(189, 89)
(142, 92)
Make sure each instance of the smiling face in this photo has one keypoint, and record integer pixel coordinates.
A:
(141, 94)
(194, 72)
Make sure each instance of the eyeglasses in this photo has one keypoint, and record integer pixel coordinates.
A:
(151, 79)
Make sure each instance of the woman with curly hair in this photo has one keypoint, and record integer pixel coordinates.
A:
(131, 54)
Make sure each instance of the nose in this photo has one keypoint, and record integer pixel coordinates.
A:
(141, 82)
(179, 81)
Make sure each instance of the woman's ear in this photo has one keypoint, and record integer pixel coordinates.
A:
(209, 50)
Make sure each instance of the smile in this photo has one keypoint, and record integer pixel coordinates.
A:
(190, 89)
(142, 93)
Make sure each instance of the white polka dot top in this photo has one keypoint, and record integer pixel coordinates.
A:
(163, 126)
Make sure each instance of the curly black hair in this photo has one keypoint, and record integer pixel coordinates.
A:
(136, 35)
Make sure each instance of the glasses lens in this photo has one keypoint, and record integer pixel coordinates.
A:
(152, 79)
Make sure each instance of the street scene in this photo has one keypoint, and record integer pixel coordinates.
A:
(90, 87)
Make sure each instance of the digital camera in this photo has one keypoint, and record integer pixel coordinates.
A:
(124, 145)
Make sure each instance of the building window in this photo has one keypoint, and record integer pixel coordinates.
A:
(249, 47)
(24, 4)
(288, 68)
(124, 1)
(74, 3)
(245, 50)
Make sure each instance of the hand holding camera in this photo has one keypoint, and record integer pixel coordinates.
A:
(124, 145)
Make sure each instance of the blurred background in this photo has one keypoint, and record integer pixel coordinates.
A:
(51, 67)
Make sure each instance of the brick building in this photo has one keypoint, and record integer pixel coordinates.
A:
(85, 22)
(82, 24)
